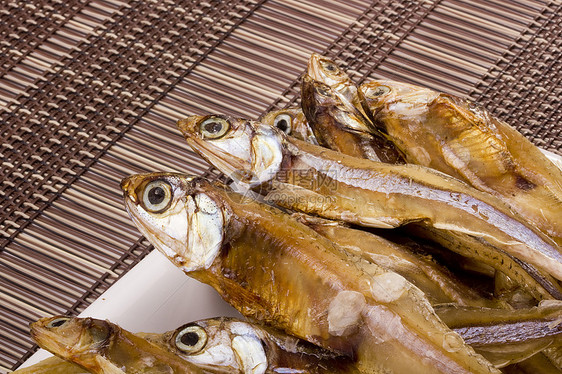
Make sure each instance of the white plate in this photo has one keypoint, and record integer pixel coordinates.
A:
(155, 296)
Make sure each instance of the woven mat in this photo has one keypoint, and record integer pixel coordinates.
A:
(90, 92)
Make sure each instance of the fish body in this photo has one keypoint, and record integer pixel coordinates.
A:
(538, 363)
(322, 182)
(292, 122)
(502, 335)
(103, 347)
(335, 109)
(464, 140)
(506, 336)
(274, 269)
(227, 345)
(406, 258)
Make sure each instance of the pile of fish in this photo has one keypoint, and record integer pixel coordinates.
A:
(380, 228)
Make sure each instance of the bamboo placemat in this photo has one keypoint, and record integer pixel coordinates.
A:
(90, 92)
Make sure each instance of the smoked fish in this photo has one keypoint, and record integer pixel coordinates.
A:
(323, 182)
(272, 268)
(105, 348)
(464, 140)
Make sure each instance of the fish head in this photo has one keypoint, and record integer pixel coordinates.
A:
(402, 99)
(324, 70)
(317, 96)
(324, 107)
(249, 152)
(327, 72)
(291, 121)
(379, 92)
(68, 336)
(181, 220)
(224, 343)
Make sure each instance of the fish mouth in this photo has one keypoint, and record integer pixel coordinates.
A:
(324, 70)
(153, 236)
(314, 69)
(234, 167)
(59, 344)
(37, 332)
(45, 339)
(229, 164)
(157, 238)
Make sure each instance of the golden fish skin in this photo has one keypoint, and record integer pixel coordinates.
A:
(535, 364)
(335, 109)
(503, 336)
(326, 71)
(274, 269)
(506, 336)
(229, 345)
(436, 282)
(52, 365)
(292, 122)
(464, 140)
(103, 347)
(319, 181)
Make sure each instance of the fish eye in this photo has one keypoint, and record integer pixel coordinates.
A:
(329, 66)
(57, 322)
(323, 91)
(214, 127)
(99, 331)
(283, 122)
(378, 91)
(157, 196)
(191, 339)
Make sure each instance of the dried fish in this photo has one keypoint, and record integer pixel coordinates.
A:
(229, 345)
(462, 139)
(103, 347)
(292, 122)
(339, 115)
(503, 336)
(319, 181)
(506, 336)
(326, 71)
(272, 268)
(406, 258)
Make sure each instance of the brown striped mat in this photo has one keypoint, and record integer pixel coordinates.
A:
(90, 92)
